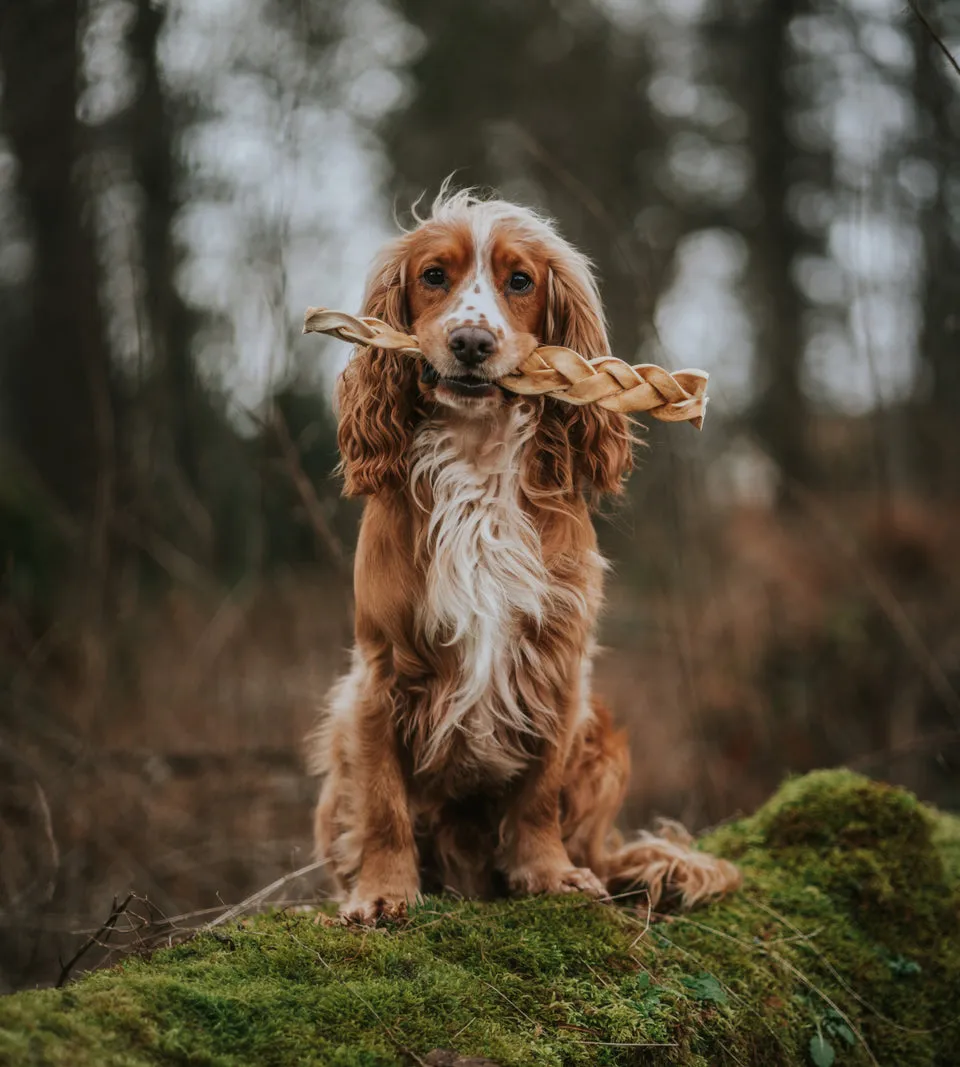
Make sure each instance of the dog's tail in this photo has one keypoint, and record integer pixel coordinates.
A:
(668, 868)
(665, 865)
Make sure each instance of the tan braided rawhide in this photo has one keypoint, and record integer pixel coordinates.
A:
(560, 373)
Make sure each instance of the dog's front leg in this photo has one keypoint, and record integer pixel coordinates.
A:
(532, 854)
(388, 878)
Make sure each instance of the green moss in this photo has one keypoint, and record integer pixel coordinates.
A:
(845, 940)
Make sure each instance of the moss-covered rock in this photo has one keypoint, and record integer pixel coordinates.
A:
(844, 946)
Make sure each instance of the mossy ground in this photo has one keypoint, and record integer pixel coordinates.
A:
(844, 946)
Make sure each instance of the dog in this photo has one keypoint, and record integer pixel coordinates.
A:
(463, 750)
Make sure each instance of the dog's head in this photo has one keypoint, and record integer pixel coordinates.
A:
(481, 283)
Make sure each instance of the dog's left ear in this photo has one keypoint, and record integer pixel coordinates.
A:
(600, 441)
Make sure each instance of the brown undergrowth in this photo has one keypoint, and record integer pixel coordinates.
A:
(168, 763)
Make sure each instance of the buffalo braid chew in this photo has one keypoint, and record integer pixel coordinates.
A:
(552, 371)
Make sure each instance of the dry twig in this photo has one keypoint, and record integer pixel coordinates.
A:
(104, 932)
(261, 894)
(933, 35)
(51, 841)
(306, 491)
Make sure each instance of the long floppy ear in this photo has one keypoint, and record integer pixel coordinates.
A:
(377, 393)
(600, 441)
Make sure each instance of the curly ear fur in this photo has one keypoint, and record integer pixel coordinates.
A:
(377, 393)
(580, 445)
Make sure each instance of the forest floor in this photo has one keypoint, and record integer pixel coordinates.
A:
(843, 947)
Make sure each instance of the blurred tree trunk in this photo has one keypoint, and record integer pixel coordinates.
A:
(152, 132)
(937, 415)
(173, 414)
(780, 414)
(56, 379)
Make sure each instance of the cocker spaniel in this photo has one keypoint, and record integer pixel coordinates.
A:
(464, 749)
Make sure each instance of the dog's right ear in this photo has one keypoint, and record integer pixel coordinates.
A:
(377, 393)
(585, 445)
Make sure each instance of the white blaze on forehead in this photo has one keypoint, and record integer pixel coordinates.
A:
(475, 302)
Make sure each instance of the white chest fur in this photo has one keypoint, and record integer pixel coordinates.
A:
(485, 575)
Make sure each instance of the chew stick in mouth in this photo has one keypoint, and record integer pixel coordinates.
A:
(552, 371)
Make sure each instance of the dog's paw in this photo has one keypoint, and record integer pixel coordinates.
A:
(361, 910)
(557, 880)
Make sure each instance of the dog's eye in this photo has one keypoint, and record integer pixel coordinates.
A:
(435, 276)
(520, 282)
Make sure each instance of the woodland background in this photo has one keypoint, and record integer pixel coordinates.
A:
(771, 191)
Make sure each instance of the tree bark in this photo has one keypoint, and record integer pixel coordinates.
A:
(937, 429)
(780, 412)
(56, 378)
(151, 138)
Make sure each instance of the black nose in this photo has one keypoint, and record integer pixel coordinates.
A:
(472, 345)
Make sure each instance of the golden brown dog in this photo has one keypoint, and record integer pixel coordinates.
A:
(464, 749)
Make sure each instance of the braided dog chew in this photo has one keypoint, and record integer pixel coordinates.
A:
(551, 371)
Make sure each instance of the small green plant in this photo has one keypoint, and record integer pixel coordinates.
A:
(831, 1024)
(704, 986)
(902, 967)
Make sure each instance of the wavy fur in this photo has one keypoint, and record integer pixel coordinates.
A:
(464, 748)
